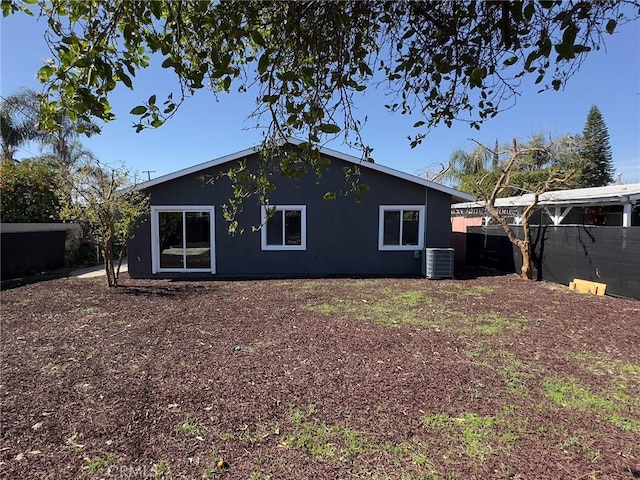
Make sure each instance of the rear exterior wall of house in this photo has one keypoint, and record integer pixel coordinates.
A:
(342, 235)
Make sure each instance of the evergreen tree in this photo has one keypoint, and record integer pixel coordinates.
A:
(596, 151)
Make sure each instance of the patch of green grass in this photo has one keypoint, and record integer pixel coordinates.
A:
(161, 469)
(582, 441)
(325, 308)
(385, 306)
(189, 426)
(622, 374)
(514, 377)
(337, 445)
(391, 308)
(72, 442)
(255, 475)
(212, 468)
(493, 324)
(322, 441)
(477, 436)
(569, 394)
(98, 465)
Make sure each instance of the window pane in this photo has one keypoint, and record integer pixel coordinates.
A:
(274, 228)
(410, 222)
(198, 245)
(391, 235)
(170, 229)
(293, 227)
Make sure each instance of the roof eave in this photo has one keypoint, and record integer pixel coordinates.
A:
(455, 194)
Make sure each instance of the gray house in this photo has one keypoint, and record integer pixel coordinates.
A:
(302, 233)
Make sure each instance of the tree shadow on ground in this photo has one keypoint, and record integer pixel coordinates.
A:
(35, 278)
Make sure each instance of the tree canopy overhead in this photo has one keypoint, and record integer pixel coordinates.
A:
(307, 61)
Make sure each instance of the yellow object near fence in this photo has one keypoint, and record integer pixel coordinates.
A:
(586, 286)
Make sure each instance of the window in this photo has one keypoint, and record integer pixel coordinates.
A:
(182, 239)
(284, 227)
(401, 227)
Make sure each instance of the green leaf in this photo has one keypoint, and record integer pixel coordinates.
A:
(529, 10)
(126, 80)
(510, 61)
(152, 100)
(565, 52)
(263, 63)
(139, 110)
(611, 26)
(581, 49)
(45, 73)
(156, 9)
(418, 124)
(569, 36)
(226, 83)
(257, 38)
(329, 128)
(330, 196)
(83, 62)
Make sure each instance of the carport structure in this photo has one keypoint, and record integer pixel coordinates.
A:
(613, 205)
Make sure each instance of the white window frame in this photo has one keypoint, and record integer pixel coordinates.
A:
(155, 236)
(303, 220)
(401, 209)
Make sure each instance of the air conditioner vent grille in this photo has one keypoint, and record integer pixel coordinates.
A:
(439, 262)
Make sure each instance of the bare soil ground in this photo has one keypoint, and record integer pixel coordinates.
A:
(486, 378)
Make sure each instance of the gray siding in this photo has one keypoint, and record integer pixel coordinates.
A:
(438, 226)
(342, 235)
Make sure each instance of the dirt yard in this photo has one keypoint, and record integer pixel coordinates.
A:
(487, 378)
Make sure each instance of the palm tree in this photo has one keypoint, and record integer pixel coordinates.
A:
(23, 112)
(464, 164)
(16, 127)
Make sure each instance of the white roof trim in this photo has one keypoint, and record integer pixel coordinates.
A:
(612, 194)
(325, 151)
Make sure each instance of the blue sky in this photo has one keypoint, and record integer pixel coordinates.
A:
(205, 129)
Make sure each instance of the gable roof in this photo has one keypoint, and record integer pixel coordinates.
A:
(455, 194)
(611, 194)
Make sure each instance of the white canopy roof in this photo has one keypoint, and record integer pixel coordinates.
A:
(611, 194)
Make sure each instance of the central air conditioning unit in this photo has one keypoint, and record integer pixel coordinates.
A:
(439, 262)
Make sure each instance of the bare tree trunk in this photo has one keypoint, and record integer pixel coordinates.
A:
(526, 272)
(108, 264)
(123, 250)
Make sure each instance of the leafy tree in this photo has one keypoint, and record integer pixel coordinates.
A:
(307, 61)
(477, 171)
(105, 198)
(596, 151)
(28, 192)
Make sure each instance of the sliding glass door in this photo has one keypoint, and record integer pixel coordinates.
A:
(183, 239)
